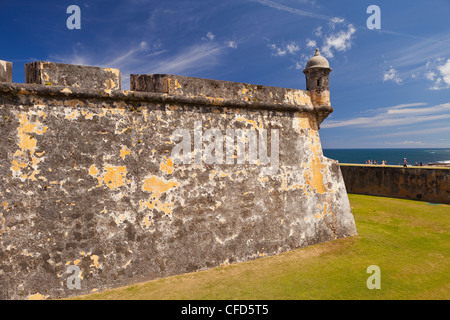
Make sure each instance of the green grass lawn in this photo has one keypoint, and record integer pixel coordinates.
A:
(408, 240)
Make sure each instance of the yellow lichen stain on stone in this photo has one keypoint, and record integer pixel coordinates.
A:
(215, 101)
(301, 121)
(103, 113)
(71, 115)
(16, 166)
(320, 215)
(41, 113)
(252, 122)
(25, 131)
(156, 186)
(171, 86)
(147, 222)
(93, 170)
(320, 98)
(109, 84)
(145, 113)
(87, 115)
(114, 176)
(66, 91)
(116, 72)
(314, 168)
(37, 296)
(156, 204)
(168, 166)
(27, 144)
(94, 259)
(314, 175)
(297, 97)
(124, 152)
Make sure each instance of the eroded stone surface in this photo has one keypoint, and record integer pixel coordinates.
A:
(87, 180)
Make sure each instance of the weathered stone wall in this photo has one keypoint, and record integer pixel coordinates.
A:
(69, 75)
(427, 184)
(88, 180)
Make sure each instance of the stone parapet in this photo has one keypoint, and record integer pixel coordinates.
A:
(6, 68)
(60, 74)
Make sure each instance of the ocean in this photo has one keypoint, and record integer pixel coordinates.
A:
(392, 156)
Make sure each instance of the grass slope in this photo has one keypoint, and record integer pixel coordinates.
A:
(408, 240)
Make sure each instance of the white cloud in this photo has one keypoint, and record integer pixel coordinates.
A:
(290, 48)
(318, 31)
(430, 75)
(445, 107)
(311, 43)
(341, 41)
(445, 72)
(231, 44)
(392, 75)
(438, 73)
(209, 36)
(422, 60)
(293, 10)
(395, 116)
(278, 51)
(192, 58)
(336, 20)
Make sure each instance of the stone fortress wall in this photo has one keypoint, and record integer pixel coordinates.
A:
(102, 187)
(415, 183)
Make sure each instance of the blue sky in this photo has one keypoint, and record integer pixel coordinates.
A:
(390, 88)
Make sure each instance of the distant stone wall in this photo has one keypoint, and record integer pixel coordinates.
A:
(426, 184)
(92, 196)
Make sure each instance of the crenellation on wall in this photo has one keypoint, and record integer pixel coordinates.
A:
(6, 69)
(68, 75)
